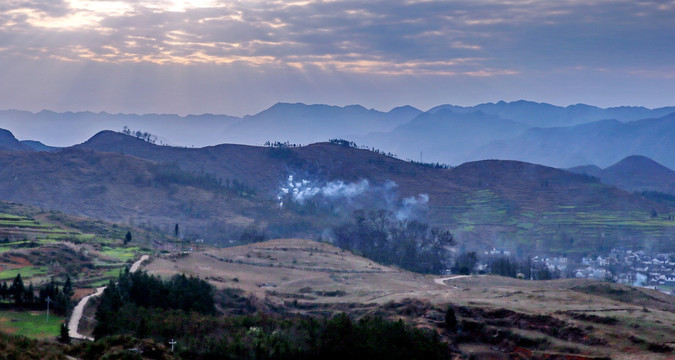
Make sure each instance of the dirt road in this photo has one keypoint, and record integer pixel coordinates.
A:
(441, 281)
(75, 318)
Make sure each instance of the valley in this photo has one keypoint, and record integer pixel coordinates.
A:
(285, 233)
(337, 180)
(317, 279)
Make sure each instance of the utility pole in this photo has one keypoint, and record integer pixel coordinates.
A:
(172, 342)
(48, 300)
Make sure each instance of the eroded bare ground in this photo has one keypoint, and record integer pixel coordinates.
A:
(498, 317)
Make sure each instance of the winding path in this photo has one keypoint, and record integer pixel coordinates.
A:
(75, 318)
(441, 281)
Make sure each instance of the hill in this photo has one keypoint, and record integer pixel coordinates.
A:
(69, 128)
(495, 314)
(38, 146)
(9, 143)
(444, 136)
(130, 190)
(300, 123)
(521, 130)
(601, 143)
(634, 173)
(486, 203)
(547, 115)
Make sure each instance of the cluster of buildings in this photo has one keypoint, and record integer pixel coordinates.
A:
(637, 268)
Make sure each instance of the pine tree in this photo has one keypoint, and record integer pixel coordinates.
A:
(127, 237)
(29, 295)
(68, 287)
(142, 330)
(4, 291)
(450, 320)
(64, 336)
(17, 290)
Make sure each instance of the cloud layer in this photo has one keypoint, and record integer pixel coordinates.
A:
(316, 43)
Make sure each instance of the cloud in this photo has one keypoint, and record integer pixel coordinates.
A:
(404, 42)
(506, 35)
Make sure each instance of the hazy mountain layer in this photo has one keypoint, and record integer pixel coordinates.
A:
(303, 124)
(600, 143)
(634, 173)
(444, 136)
(485, 203)
(520, 130)
(547, 115)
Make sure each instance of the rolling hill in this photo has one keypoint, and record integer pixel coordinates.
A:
(444, 136)
(485, 203)
(547, 115)
(547, 319)
(303, 124)
(126, 189)
(634, 173)
(600, 143)
(521, 130)
(74, 127)
(9, 143)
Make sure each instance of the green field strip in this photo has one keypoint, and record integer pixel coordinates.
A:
(124, 254)
(26, 272)
(32, 324)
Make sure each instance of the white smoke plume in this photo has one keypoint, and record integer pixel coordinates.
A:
(411, 204)
(640, 280)
(345, 197)
(301, 191)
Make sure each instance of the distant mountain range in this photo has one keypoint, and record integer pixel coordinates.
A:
(600, 143)
(217, 192)
(520, 130)
(304, 124)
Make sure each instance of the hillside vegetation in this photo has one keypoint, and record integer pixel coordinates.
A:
(490, 203)
(228, 193)
(495, 317)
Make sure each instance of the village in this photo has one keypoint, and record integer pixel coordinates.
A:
(624, 266)
(630, 267)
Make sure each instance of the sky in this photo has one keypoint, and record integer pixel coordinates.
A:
(240, 57)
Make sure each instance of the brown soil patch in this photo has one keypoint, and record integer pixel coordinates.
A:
(80, 293)
(18, 261)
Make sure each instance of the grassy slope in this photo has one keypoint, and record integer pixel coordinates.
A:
(485, 202)
(317, 279)
(41, 244)
(32, 324)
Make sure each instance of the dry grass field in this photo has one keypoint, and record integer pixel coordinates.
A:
(578, 317)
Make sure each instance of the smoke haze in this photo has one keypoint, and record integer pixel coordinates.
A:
(345, 197)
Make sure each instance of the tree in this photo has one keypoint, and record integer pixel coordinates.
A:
(29, 294)
(127, 237)
(176, 231)
(68, 287)
(4, 291)
(465, 263)
(63, 302)
(410, 244)
(17, 290)
(64, 336)
(450, 319)
(142, 330)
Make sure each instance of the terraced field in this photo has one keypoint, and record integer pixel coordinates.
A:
(486, 219)
(40, 245)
